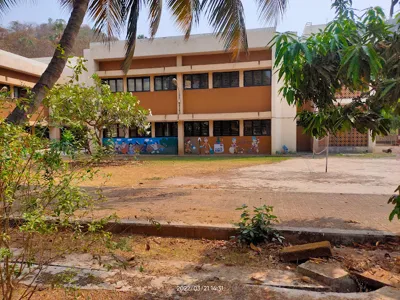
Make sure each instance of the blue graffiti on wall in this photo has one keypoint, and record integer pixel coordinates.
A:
(147, 145)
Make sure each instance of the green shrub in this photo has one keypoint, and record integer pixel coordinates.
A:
(258, 228)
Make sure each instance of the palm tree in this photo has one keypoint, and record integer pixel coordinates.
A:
(393, 3)
(111, 16)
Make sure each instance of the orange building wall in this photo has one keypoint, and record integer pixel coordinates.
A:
(160, 103)
(223, 58)
(6, 108)
(227, 100)
(303, 141)
(145, 63)
(18, 75)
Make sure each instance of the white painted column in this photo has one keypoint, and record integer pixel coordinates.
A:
(153, 129)
(241, 78)
(210, 80)
(283, 121)
(371, 143)
(181, 138)
(179, 93)
(211, 128)
(241, 128)
(151, 83)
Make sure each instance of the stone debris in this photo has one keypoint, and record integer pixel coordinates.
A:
(331, 274)
(377, 278)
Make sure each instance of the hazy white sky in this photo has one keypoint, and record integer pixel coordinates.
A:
(299, 13)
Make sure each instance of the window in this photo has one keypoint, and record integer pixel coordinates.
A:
(196, 129)
(139, 84)
(226, 128)
(257, 127)
(4, 88)
(136, 132)
(116, 84)
(195, 81)
(257, 78)
(115, 131)
(164, 83)
(19, 92)
(166, 129)
(226, 79)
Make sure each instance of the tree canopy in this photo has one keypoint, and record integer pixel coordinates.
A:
(357, 51)
(40, 40)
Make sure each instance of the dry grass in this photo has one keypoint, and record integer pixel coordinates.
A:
(150, 170)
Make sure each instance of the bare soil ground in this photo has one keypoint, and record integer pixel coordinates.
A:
(156, 267)
(352, 195)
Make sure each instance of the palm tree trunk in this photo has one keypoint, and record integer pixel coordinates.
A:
(57, 64)
(394, 2)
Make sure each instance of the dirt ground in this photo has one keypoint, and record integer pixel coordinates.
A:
(155, 268)
(352, 195)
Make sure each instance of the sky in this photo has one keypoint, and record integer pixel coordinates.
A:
(299, 13)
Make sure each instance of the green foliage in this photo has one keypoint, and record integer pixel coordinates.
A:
(395, 200)
(40, 195)
(257, 228)
(89, 109)
(358, 52)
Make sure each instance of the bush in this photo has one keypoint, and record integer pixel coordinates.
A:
(257, 229)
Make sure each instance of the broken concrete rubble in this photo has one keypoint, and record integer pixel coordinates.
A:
(331, 274)
(306, 251)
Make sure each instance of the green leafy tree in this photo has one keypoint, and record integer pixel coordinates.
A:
(92, 108)
(356, 52)
(113, 16)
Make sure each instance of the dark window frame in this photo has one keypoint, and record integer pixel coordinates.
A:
(264, 125)
(224, 126)
(202, 86)
(118, 136)
(221, 74)
(171, 85)
(137, 134)
(203, 125)
(173, 132)
(252, 83)
(134, 84)
(108, 80)
(19, 92)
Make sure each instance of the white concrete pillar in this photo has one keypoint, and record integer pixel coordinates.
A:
(241, 127)
(371, 143)
(241, 78)
(181, 138)
(151, 83)
(153, 129)
(179, 61)
(210, 80)
(179, 93)
(211, 128)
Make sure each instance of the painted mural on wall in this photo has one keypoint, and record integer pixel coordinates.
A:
(130, 146)
(228, 145)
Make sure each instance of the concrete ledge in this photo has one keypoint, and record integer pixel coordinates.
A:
(293, 235)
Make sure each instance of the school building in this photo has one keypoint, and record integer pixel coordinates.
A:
(201, 102)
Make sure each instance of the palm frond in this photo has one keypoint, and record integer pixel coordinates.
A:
(186, 14)
(155, 10)
(227, 19)
(6, 5)
(272, 11)
(107, 16)
(132, 12)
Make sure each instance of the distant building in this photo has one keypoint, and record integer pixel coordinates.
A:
(201, 101)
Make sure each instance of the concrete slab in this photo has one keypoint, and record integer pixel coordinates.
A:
(329, 273)
(306, 251)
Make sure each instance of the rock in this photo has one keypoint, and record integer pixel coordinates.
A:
(306, 251)
(377, 278)
(306, 279)
(330, 274)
